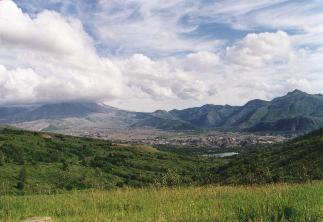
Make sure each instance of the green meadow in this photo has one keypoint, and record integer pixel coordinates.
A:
(279, 202)
(74, 179)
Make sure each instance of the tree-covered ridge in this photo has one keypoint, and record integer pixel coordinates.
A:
(298, 160)
(33, 162)
(41, 162)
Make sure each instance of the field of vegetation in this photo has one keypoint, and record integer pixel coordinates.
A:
(298, 160)
(74, 179)
(269, 203)
(42, 163)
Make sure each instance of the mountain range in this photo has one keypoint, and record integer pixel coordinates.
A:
(295, 112)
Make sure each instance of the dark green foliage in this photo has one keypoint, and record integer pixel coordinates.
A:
(22, 178)
(55, 162)
(46, 163)
(65, 165)
(298, 124)
(285, 207)
(299, 160)
(2, 158)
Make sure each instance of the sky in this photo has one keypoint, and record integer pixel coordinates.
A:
(145, 55)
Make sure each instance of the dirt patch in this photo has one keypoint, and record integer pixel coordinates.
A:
(46, 136)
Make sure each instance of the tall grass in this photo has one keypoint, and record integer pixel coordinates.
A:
(281, 202)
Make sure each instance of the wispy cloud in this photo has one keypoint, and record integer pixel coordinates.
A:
(149, 54)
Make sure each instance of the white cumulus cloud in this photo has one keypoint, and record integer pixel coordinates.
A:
(162, 79)
(51, 58)
(259, 49)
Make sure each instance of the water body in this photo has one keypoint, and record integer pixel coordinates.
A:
(221, 155)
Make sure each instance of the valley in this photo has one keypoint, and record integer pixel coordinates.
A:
(85, 151)
(161, 111)
(195, 139)
(39, 162)
(210, 126)
(144, 174)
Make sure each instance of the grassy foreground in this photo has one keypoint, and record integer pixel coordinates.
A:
(281, 202)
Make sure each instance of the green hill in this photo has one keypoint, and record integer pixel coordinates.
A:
(33, 162)
(40, 162)
(295, 161)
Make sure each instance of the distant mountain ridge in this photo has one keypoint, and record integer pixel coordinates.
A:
(295, 112)
(49, 111)
(74, 117)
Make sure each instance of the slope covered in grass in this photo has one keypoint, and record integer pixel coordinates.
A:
(32, 162)
(42, 162)
(298, 160)
(271, 203)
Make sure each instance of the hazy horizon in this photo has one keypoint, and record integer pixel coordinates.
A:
(138, 110)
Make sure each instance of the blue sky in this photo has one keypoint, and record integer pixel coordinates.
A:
(147, 54)
(192, 22)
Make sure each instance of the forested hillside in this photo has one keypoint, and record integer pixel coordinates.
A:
(41, 162)
(298, 160)
(33, 162)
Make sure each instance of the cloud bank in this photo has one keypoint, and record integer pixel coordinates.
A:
(51, 58)
(147, 55)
